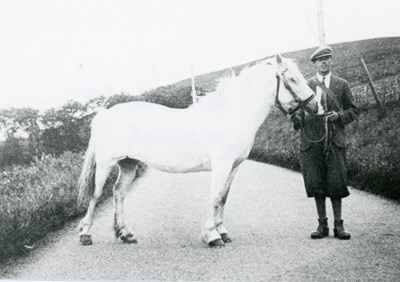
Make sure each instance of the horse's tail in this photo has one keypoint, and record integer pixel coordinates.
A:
(86, 182)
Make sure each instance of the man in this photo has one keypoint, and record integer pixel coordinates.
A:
(323, 141)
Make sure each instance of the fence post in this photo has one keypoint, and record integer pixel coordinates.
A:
(371, 84)
(385, 94)
(393, 91)
(398, 87)
(194, 94)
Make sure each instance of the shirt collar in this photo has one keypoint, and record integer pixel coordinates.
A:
(327, 77)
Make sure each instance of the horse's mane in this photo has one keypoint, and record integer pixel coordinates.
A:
(248, 86)
(230, 87)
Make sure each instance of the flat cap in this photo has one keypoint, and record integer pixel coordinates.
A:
(323, 51)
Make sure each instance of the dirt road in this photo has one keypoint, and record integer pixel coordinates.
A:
(269, 219)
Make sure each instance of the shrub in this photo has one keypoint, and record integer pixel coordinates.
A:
(36, 199)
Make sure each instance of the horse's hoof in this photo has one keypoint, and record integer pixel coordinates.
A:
(216, 243)
(226, 238)
(129, 239)
(86, 240)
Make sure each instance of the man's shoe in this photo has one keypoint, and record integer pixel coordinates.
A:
(339, 231)
(322, 230)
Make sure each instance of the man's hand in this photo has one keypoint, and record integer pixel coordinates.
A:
(332, 116)
(296, 118)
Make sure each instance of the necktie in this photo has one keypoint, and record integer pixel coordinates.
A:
(323, 96)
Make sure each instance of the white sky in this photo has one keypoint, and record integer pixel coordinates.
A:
(55, 50)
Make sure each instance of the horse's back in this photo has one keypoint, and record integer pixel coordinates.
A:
(135, 114)
(159, 136)
(140, 108)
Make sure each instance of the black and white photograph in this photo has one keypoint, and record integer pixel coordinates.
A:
(199, 140)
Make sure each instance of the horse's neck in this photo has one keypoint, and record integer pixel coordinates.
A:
(252, 104)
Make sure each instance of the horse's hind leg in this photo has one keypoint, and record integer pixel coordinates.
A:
(127, 172)
(102, 172)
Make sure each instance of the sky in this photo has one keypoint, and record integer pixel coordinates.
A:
(52, 51)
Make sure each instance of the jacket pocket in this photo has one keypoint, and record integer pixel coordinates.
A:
(339, 138)
(305, 145)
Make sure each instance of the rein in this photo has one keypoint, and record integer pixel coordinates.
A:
(301, 104)
(326, 137)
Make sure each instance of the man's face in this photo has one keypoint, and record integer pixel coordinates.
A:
(324, 65)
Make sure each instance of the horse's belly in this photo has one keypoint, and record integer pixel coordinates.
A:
(180, 167)
(170, 159)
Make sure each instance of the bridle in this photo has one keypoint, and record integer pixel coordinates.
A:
(300, 104)
(303, 105)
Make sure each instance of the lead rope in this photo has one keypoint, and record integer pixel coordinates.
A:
(327, 137)
(329, 128)
(308, 138)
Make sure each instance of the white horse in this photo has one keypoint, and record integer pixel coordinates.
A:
(215, 135)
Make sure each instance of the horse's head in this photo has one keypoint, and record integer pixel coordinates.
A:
(295, 94)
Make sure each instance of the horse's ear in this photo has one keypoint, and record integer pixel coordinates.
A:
(278, 58)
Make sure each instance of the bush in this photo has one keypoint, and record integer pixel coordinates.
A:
(15, 151)
(36, 199)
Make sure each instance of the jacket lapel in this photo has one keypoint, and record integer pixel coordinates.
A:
(334, 105)
(313, 83)
(332, 86)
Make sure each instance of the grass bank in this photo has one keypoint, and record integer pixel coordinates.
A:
(373, 149)
(38, 199)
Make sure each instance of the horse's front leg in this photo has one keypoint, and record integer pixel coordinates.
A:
(127, 172)
(213, 227)
(220, 212)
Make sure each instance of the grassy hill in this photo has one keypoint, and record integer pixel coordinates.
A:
(382, 56)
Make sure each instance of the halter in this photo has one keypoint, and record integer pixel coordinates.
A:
(301, 104)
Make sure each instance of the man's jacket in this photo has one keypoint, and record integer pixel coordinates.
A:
(313, 128)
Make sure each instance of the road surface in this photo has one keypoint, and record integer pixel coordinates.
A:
(269, 219)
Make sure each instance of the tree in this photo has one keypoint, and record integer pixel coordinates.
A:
(63, 128)
(170, 96)
(18, 125)
(20, 121)
(15, 151)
